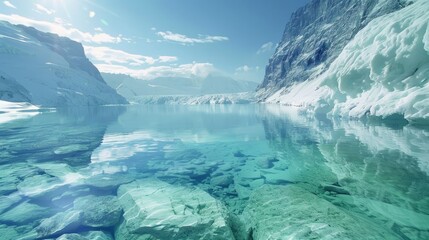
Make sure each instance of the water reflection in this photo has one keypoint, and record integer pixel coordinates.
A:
(367, 173)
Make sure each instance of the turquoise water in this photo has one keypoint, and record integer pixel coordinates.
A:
(211, 172)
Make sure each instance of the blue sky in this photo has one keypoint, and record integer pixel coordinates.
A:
(165, 38)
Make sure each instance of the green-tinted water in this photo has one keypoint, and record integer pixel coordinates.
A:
(211, 172)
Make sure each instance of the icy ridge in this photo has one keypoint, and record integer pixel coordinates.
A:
(48, 70)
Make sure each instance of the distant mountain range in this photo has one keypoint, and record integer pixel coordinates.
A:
(131, 88)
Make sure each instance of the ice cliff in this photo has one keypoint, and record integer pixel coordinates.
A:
(354, 58)
(48, 70)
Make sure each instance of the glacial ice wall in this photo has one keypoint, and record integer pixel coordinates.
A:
(383, 71)
(316, 35)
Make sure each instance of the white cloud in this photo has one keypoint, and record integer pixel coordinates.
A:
(43, 9)
(165, 59)
(248, 73)
(153, 28)
(185, 70)
(98, 29)
(113, 56)
(62, 30)
(91, 14)
(244, 68)
(183, 39)
(266, 47)
(9, 4)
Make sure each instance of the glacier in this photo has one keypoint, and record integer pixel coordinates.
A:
(382, 72)
(47, 70)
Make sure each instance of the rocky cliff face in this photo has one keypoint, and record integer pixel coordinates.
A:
(316, 35)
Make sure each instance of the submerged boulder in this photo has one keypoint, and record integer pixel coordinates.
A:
(123, 233)
(58, 224)
(99, 211)
(94, 235)
(167, 211)
(24, 213)
(290, 212)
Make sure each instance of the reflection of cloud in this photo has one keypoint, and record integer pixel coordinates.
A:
(116, 147)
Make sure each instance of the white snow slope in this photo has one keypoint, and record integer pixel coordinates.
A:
(383, 71)
(48, 70)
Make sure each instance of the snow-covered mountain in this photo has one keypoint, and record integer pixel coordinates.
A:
(48, 70)
(354, 58)
(132, 88)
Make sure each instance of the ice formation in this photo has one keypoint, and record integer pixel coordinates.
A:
(382, 72)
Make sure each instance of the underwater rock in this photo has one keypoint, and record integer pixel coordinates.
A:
(222, 181)
(290, 212)
(24, 213)
(250, 174)
(172, 212)
(122, 233)
(66, 199)
(239, 154)
(398, 215)
(256, 183)
(187, 155)
(335, 189)
(8, 201)
(11, 175)
(39, 185)
(276, 177)
(59, 224)
(102, 211)
(8, 186)
(94, 235)
(23, 232)
(109, 181)
(267, 162)
(8, 232)
(242, 192)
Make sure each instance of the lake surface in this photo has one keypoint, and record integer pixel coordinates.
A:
(211, 172)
